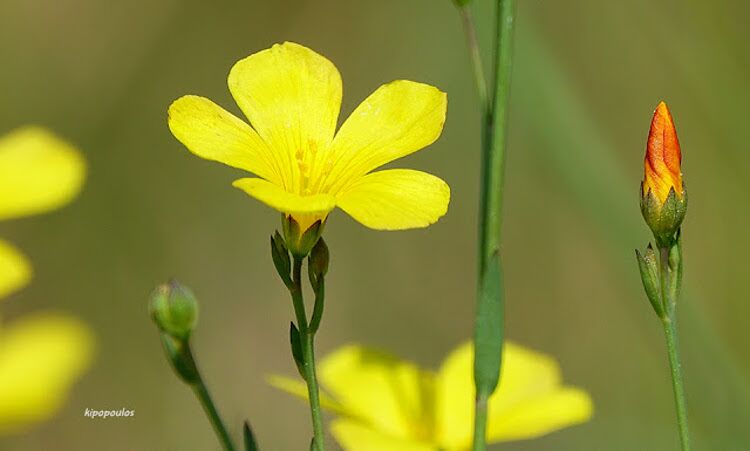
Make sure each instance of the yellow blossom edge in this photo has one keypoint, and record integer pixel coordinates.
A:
(39, 172)
(292, 96)
(41, 356)
(15, 270)
(529, 379)
(390, 401)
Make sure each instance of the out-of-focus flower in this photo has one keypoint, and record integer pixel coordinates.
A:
(384, 403)
(292, 97)
(38, 173)
(41, 355)
(663, 195)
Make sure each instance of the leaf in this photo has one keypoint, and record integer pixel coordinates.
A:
(250, 443)
(296, 341)
(489, 330)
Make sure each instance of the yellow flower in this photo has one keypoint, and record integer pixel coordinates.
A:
(41, 355)
(38, 173)
(292, 97)
(386, 404)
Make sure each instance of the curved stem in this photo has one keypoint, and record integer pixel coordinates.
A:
(307, 336)
(467, 20)
(201, 392)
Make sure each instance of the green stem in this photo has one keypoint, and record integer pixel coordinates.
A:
(308, 354)
(494, 137)
(472, 43)
(670, 331)
(480, 423)
(671, 279)
(201, 391)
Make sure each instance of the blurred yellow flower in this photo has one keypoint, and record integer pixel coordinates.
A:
(292, 97)
(38, 172)
(387, 404)
(41, 355)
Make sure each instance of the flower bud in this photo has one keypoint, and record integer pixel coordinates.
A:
(300, 242)
(174, 309)
(663, 194)
(319, 258)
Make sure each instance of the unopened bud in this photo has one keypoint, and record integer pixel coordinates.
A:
(174, 309)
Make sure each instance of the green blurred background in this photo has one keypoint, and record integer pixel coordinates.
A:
(588, 74)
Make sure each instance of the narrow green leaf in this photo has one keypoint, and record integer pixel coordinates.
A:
(250, 443)
(488, 333)
(649, 268)
(296, 341)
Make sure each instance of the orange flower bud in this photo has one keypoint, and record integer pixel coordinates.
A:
(663, 195)
(663, 157)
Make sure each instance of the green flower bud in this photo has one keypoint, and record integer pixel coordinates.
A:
(664, 219)
(174, 309)
(299, 242)
(648, 263)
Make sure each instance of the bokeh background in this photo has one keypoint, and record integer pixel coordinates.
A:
(587, 77)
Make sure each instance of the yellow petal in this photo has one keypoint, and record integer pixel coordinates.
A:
(40, 357)
(215, 134)
(356, 436)
(393, 396)
(292, 97)
(38, 172)
(528, 379)
(540, 415)
(298, 388)
(396, 120)
(283, 201)
(396, 199)
(15, 270)
(454, 404)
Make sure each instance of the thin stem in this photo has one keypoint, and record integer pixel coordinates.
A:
(494, 131)
(308, 353)
(480, 423)
(671, 279)
(472, 43)
(201, 391)
(670, 331)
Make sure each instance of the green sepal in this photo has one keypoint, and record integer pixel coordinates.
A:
(489, 330)
(179, 355)
(664, 220)
(317, 264)
(648, 263)
(295, 340)
(249, 438)
(299, 242)
(281, 259)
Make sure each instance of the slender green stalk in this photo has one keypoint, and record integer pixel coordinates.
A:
(494, 131)
(307, 336)
(472, 43)
(201, 391)
(671, 281)
(670, 331)
(480, 423)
